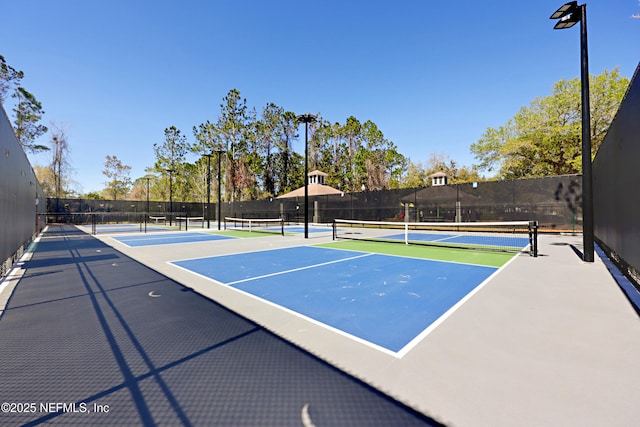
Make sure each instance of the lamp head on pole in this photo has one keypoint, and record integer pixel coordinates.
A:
(569, 14)
(307, 118)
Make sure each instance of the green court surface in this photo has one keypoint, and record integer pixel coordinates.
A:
(466, 256)
(243, 234)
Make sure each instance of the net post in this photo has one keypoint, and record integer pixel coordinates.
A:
(335, 230)
(406, 233)
(282, 226)
(186, 221)
(225, 222)
(533, 238)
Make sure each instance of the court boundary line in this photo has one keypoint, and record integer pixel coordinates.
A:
(436, 323)
(307, 267)
(162, 234)
(406, 349)
(294, 313)
(254, 251)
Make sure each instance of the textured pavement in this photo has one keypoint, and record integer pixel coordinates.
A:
(91, 337)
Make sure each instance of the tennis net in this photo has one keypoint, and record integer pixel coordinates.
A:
(184, 222)
(509, 236)
(259, 225)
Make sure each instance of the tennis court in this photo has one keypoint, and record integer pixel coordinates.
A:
(131, 234)
(126, 228)
(168, 238)
(387, 301)
(428, 324)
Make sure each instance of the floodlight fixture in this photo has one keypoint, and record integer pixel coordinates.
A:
(565, 9)
(569, 14)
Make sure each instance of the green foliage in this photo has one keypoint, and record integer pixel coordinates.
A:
(9, 79)
(93, 196)
(356, 154)
(119, 182)
(171, 163)
(545, 138)
(47, 179)
(418, 174)
(27, 111)
(233, 128)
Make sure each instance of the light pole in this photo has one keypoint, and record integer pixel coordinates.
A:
(306, 119)
(209, 188)
(568, 15)
(220, 152)
(170, 195)
(148, 207)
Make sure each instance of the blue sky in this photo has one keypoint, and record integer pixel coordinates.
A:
(432, 75)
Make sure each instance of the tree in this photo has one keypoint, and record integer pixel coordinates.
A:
(268, 129)
(356, 154)
(545, 137)
(378, 159)
(47, 179)
(28, 113)
(118, 174)
(60, 165)
(288, 165)
(418, 174)
(93, 195)
(9, 79)
(232, 129)
(170, 158)
(28, 110)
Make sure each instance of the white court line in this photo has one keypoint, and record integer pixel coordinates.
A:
(294, 313)
(162, 235)
(407, 348)
(453, 236)
(175, 238)
(400, 353)
(307, 267)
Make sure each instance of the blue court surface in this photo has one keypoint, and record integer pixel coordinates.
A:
(168, 238)
(385, 300)
(126, 228)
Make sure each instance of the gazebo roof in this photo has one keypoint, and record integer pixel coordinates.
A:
(313, 190)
